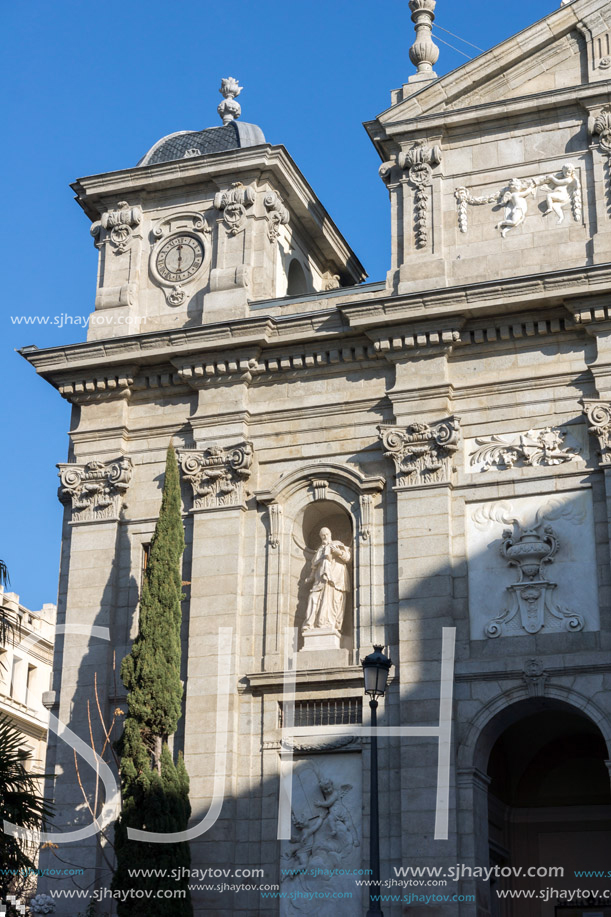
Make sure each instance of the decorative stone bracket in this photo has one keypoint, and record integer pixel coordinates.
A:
(217, 474)
(599, 418)
(277, 214)
(95, 490)
(418, 163)
(423, 452)
(233, 205)
(601, 129)
(117, 226)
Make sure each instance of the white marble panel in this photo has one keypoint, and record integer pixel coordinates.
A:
(562, 524)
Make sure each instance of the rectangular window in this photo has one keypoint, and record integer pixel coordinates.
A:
(31, 680)
(345, 711)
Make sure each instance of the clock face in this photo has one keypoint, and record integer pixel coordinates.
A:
(179, 258)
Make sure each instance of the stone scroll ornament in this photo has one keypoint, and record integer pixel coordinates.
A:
(418, 163)
(233, 205)
(277, 215)
(561, 189)
(95, 490)
(217, 474)
(598, 414)
(530, 548)
(535, 447)
(601, 132)
(117, 227)
(423, 452)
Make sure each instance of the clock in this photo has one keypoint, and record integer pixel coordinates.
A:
(179, 258)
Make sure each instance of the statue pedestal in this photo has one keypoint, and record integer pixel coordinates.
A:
(322, 650)
(322, 638)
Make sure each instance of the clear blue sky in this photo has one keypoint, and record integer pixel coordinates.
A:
(89, 87)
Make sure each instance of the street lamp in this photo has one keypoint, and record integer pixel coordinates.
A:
(376, 667)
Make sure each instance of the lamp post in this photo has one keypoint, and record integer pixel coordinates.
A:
(376, 667)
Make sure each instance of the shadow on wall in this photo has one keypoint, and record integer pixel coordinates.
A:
(522, 720)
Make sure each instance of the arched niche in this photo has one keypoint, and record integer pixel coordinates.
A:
(296, 279)
(346, 501)
(305, 542)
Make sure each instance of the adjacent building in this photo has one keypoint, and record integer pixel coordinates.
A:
(26, 662)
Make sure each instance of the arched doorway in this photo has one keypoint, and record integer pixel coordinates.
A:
(549, 806)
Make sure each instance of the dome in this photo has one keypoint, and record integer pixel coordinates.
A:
(232, 136)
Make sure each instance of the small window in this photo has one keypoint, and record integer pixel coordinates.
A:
(297, 282)
(31, 679)
(345, 711)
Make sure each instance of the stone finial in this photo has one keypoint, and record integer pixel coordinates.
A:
(229, 109)
(424, 52)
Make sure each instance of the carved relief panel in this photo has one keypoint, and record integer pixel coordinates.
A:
(532, 566)
(326, 839)
(560, 193)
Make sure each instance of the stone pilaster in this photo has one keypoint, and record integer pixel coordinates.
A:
(217, 476)
(422, 450)
(93, 493)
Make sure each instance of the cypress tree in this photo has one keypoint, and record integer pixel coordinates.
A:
(155, 791)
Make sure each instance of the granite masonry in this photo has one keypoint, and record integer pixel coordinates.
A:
(363, 463)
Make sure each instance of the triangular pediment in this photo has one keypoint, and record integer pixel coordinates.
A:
(570, 47)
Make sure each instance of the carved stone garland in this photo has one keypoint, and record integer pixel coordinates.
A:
(599, 418)
(536, 447)
(217, 474)
(563, 187)
(94, 490)
(423, 452)
(419, 163)
(233, 205)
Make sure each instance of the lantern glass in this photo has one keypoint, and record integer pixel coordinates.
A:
(375, 672)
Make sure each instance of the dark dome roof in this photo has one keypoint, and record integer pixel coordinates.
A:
(182, 144)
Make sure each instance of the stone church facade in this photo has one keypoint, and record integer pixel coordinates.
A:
(450, 430)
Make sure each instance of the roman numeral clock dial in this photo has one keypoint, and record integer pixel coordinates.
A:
(180, 258)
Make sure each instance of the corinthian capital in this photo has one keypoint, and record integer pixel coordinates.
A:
(599, 418)
(423, 452)
(217, 474)
(95, 490)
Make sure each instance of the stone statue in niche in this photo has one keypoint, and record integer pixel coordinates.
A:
(330, 584)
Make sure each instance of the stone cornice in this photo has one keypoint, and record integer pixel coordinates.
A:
(435, 122)
(350, 332)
